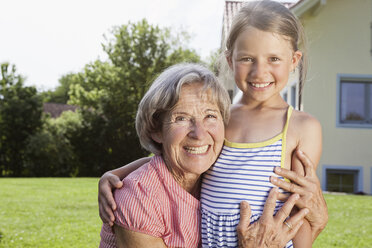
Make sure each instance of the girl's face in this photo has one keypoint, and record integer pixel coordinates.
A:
(261, 62)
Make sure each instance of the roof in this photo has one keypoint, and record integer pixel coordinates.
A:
(56, 109)
(303, 6)
(233, 6)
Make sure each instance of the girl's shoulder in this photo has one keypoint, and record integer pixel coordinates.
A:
(304, 121)
(305, 127)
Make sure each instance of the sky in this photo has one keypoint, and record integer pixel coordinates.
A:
(46, 39)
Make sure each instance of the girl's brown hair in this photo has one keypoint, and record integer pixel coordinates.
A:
(270, 16)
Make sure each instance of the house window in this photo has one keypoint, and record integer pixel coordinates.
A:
(231, 94)
(285, 96)
(371, 40)
(347, 179)
(342, 180)
(290, 95)
(355, 102)
(293, 95)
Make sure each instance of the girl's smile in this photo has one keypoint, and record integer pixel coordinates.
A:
(261, 62)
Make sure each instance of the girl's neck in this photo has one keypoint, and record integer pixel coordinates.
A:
(273, 102)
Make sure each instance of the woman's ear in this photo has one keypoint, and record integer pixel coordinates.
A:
(297, 55)
(157, 137)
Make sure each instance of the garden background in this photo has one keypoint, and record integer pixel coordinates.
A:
(97, 136)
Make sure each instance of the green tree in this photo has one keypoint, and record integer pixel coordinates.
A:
(20, 118)
(108, 92)
(60, 94)
(49, 151)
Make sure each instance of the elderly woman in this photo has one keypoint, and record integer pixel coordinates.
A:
(181, 120)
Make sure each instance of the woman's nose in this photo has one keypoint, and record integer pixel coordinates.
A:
(198, 130)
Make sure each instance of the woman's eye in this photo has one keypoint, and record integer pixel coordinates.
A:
(180, 118)
(274, 59)
(210, 116)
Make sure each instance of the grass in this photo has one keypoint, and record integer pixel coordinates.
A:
(350, 222)
(63, 212)
(49, 212)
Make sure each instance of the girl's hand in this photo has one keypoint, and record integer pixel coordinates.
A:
(269, 230)
(308, 187)
(106, 202)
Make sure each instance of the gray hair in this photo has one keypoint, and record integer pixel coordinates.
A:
(164, 94)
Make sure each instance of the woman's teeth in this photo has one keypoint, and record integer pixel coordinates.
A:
(261, 85)
(197, 150)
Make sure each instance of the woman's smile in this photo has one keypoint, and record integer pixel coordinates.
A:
(196, 149)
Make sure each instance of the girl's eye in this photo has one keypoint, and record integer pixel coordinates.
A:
(246, 59)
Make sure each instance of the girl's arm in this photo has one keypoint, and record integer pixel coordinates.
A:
(304, 180)
(310, 143)
(108, 182)
(127, 238)
(303, 238)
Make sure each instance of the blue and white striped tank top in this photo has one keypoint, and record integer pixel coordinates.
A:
(241, 173)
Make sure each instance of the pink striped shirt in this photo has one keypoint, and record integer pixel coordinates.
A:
(153, 203)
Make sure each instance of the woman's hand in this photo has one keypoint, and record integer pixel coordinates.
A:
(269, 230)
(107, 183)
(308, 187)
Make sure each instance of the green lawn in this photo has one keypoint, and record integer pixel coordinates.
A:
(49, 212)
(56, 212)
(350, 222)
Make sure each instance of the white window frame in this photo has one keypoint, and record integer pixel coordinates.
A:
(289, 94)
(354, 78)
(359, 169)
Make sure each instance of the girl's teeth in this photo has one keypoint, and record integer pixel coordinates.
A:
(260, 85)
(197, 150)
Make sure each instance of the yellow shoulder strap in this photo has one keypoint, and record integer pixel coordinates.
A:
(284, 137)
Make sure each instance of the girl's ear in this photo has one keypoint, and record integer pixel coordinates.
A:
(296, 59)
(157, 137)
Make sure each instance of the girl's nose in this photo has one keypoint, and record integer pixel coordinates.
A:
(258, 69)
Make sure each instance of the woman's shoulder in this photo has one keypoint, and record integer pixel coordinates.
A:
(139, 206)
(146, 179)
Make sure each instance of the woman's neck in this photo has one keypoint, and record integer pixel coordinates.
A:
(189, 182)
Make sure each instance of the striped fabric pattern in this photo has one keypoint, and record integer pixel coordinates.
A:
(153, 203)
(241, 173)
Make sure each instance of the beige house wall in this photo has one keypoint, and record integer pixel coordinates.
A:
(339, 42)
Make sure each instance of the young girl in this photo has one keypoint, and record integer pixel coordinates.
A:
(263, 131)
(262, 50)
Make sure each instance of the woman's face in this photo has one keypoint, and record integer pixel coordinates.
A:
(192, 134)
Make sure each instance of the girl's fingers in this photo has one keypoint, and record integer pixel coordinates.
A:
(106, 214)
(115, 181)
